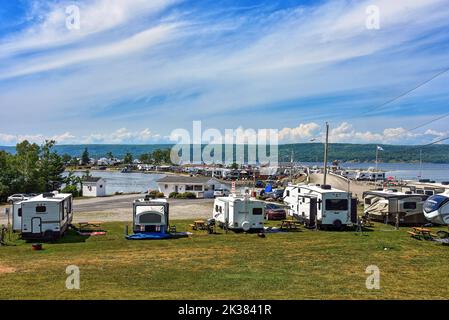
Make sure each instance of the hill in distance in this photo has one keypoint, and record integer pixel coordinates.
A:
(303, 152)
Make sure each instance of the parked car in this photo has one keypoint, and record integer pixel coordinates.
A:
(16, 197)
(221, 193)
(274, 212)
(275, 194)
(260, 184)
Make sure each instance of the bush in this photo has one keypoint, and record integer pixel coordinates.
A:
(190, 195)
(186, 195)
(73, 190)
(155, 194)
(173, 195)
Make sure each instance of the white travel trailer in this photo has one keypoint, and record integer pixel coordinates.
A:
(363, 175)
(436, 208)
(150, 215)
(370, 176)
(321, 206)
(388, 205)
(377, 176)
(46, 217)
(239, 213)
(348, 174)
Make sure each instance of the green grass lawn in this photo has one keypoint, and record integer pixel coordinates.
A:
(295, 265)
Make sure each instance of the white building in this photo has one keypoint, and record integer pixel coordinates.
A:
(202, 187)
(94, 187)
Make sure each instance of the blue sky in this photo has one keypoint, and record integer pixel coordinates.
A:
(138, 69)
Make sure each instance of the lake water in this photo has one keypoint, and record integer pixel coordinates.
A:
(406, 171)
(127, 182)
(142, 182)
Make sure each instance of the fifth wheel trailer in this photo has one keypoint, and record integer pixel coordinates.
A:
(386, 205)
(436, 208)
(321, 205)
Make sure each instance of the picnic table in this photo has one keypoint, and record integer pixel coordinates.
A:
(89, 225)
(199, 225)
(289, 224)
(421, 233)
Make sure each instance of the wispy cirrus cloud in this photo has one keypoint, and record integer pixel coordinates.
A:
(264, 66)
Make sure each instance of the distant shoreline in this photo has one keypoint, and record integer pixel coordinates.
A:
(302, 152)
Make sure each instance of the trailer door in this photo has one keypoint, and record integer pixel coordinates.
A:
(313, 209)
(354, 210)
(36, 225)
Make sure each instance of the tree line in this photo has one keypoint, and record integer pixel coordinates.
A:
(156, 157)
(32, 169)
(39, 168)
(313, 152)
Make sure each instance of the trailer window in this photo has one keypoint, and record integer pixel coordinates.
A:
(337, 204)
(434, 203)
(287, 193)
(409, 205)
(367, 201)
(41, 209)
(257, 211)
(198, 188)
(19, 212)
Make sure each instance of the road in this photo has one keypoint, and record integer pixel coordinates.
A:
(356, 187)
(119, 208)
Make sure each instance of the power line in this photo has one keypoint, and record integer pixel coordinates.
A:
(408, 91)
(435, 142)
(429, 122)
(420, 126)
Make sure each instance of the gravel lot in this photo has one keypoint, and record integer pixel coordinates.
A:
(119, 208)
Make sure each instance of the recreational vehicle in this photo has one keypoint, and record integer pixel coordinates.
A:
(436, 208)
(46, 216)
(370, 176)
(150, 215)
(321, 206)
(377, 176)
(348, 174)
(239, 213)
(388, 205)
(429, 191)
(363, 176)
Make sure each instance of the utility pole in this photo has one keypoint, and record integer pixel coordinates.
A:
(420, 163)
(325, 153)
(291, 168)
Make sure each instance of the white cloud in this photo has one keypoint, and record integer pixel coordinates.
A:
(303, 131)
(346, 133)
(96, 16)
(11, 139)
(203, 67)
(123, 135)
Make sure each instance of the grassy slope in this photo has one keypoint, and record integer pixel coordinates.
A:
(297, 265)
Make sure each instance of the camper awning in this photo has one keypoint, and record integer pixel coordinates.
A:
(393, 195)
